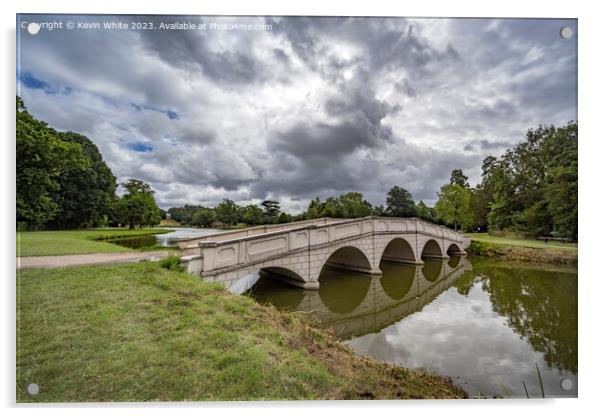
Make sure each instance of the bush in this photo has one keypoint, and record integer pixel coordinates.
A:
(172, 263)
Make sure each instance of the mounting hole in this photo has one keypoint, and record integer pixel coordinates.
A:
(33, 389)
(566, 32)
(566, 384)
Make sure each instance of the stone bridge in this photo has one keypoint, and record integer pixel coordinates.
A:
(297, 252)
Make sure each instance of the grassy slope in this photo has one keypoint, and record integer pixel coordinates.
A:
(138, 332)
(47, 243)
(552, 245)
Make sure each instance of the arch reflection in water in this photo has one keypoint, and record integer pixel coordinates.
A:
(355, 304)
(341, 291)
(270, 289)
(432, 269)
(453, 262)
(397, 279)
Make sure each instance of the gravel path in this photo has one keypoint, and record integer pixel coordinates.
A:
(49, 262)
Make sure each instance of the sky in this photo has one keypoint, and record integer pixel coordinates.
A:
(293, 108)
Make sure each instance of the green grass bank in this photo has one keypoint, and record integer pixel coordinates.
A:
(49, 243)
(139, 332)
(522, 250)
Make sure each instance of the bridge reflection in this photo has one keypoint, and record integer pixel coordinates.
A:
(354, 304)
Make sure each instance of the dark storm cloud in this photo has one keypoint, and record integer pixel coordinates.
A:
(314, 107)
(192, 49)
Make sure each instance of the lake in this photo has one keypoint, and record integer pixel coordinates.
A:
(164, 240)
(484, 323)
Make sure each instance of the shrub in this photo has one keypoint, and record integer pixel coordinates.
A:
(172, 263)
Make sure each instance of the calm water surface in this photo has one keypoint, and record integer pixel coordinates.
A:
(482, 322)
(164, 240)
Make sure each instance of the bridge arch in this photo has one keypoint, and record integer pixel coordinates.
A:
(432, 250)
(454, 250)
(398, 250)
(349, 258)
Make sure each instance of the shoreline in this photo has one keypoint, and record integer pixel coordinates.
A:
(528, 255)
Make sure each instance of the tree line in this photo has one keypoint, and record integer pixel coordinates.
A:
(63, 182)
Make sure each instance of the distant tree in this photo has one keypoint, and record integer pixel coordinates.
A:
(378, 210)
(227, 212)
(453, 205)
(203, 217)
(284, 218)
(252, 215)
(271, 208)
(352, 205)
(425, 212)
(184, 214)
(163, 214)
(458, 177)
(137, 207)
(400, 203)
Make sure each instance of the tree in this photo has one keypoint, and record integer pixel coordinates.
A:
(271, 208)
(349, 205)
(184, 214)
(203, 217)
(137, 207)
(534, 184)
(458, 177)
(85, 192)
(400, 203)
(284, 218)
(453, 205)
(352, 205)
(379, 211)
(227, 212)
(252, 215)
(561, 188)
(42, 159)
(425, 212)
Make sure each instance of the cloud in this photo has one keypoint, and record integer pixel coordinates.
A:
(312, 107)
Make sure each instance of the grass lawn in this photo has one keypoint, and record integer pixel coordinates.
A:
(509, 241)
(47, 243)
(138, 332)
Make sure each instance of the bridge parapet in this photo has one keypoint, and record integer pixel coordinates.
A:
(303, 247)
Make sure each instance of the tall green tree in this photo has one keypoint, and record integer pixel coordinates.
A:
(227, 212)
(458, 177)
(453, 205)
(85, 192)
(42, 160)
(137, 206)
(271, 208)
(252, 215)
(203, 217)
(534, 184)
(400, 203)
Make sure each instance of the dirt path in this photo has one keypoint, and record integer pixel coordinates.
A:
(84, 259)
